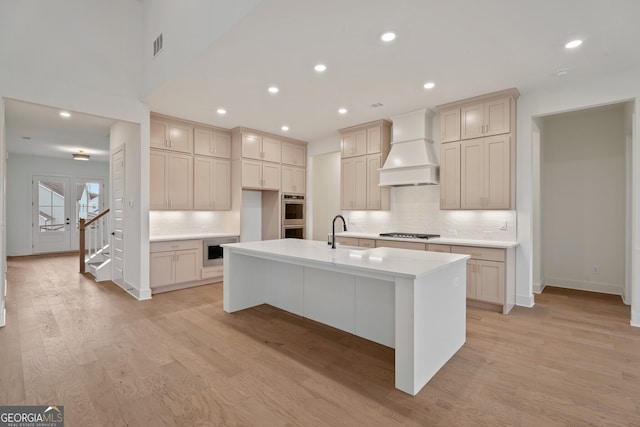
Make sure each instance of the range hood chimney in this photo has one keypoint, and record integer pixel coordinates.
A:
(412, 159)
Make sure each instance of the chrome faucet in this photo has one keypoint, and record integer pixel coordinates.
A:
(333, 229)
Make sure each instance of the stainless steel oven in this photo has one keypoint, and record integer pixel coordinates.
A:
(293, 210)
(212, 251)
(293, 232)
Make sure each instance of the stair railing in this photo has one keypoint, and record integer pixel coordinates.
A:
(94, 239)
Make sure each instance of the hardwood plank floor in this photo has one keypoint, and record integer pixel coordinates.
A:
(178, 359)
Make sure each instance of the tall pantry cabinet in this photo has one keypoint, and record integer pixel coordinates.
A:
(477, 152)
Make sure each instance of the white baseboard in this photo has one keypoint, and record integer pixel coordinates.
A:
(635, 319)
(525, 301)
(3, 317)
(604, 288)
(538, 288)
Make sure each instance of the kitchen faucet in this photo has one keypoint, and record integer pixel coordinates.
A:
(333, 229)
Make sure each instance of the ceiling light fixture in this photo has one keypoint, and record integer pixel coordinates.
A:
(80, 156)
(562, 72)
(388, 36)
(573, 44)
(221, 111)
(65, 114)
(285, 128)
(320, 68)
(273, 89)
(429, 85)
(342, 110)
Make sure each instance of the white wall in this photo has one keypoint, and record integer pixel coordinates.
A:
(570, 95)
(584, 197)
(187, 28)
(19, 194)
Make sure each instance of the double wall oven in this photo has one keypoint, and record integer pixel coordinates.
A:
(293, 216)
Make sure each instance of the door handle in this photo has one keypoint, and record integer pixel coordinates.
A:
(113, 233)
(68, 221)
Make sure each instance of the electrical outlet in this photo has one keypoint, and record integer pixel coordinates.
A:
(503, 226)
(452, 232)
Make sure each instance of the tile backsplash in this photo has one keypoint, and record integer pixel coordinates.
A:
(185, 222)
(416, 209)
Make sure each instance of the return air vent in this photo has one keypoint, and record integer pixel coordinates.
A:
(157, 45)
(376, 105)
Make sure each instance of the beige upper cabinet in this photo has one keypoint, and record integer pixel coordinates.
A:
(450, 125)
(171, 181)
(488, 118)
(374, 140)
(293, 180)
(294, 154)
(170, 135)
(354, 183)
(485, 173)
(212, 183)
(354, 143)
(260, 175)
(260, 147)
(210, 142)
(377, 197)
(450, 176)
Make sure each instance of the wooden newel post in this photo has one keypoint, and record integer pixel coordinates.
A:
(81, 244)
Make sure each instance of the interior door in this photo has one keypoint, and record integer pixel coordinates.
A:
(117, 215)
(51, 214)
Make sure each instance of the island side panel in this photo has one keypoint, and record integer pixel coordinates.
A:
(284, 285)
(243, 281)
(430, 324)
(329, 298)
(375, 310)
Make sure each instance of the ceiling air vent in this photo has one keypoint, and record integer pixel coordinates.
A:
(376, 105)
(157, 45)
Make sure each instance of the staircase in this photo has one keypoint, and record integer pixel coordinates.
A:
(95, 256)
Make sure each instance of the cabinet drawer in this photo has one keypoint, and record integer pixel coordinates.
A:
(401, 245)
(367, 243)
(174, 245)
(434, 247)
(347, 241)
(489, 254)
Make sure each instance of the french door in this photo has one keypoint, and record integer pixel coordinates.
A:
(58, 205)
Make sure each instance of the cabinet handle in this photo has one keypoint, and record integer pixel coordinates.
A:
(486, 128)
(170, 143)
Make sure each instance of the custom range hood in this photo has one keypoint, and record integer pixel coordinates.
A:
(412, 159)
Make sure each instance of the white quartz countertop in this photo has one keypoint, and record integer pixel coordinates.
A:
(187, 236)
(385, 261)
(439, 240)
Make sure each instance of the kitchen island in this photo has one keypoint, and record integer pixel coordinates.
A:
(409, 300)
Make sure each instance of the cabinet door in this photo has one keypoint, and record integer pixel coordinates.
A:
(158, 180)
(161, 269)
(434, 247)
(472, 174)
(471, 279)
(293, 180)
(203, 182)
(208, 142)
(450, 176)
(251, 173)
(354, 143)
(270, 176)
(180, 138)
(221, 185)
(159, 133)
(353, 194)
(497, 116)
(188, 264)
(374, 139)
(497, 172)
(293, 154)
(450, 125)
(374, 191)
(490, 281)
(251, 146)
(180, 181)
(271, 150)
(472, 121)
(221, 145)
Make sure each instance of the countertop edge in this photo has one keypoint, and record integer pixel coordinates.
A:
(440, 240)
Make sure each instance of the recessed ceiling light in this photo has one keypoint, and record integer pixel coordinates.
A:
(429, 85)
(320, 68)
(573, 44)
(221, 111)
(285, 128)
(342, 110)
(388, 36)
(65, 114)
(273, 89)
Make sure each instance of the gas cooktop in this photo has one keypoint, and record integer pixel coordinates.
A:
(410, 235)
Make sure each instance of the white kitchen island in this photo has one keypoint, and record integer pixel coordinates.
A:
(412, 301)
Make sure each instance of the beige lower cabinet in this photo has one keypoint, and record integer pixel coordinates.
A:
(171, 180)
(435, 247)
(353, 241)
(212, 183)
(490, 275)
(174, 262)
(260, 175)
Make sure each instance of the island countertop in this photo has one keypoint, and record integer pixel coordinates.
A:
(388, 261)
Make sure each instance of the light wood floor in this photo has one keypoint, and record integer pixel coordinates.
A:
(180, 360)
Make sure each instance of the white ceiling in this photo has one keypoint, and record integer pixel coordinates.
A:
(466, 47)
